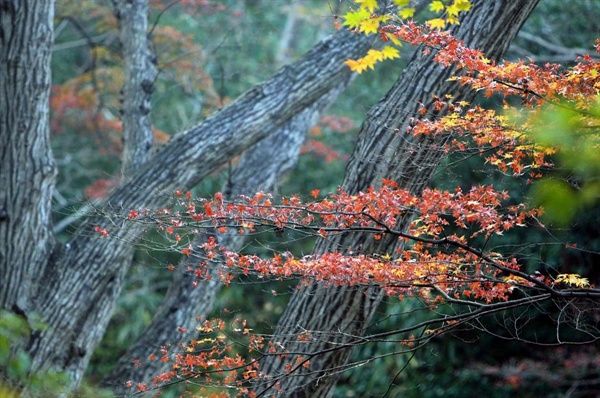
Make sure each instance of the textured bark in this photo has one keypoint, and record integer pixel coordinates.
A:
(258, 169)
(27, 168)
(140, 74)
(337, 317)
(74, 287)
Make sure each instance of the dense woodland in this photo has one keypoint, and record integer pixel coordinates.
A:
(176, 177)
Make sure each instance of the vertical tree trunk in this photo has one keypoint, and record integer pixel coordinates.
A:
(27, 168)
(338, 316)
(140, 74)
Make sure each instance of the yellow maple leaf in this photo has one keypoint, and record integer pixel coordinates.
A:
(452, 20)
(436, 6)
(452, 10)
(401, 3)
(374, 56)
(369, 26)
(572, 279)
(437, 23)
(356, 65)
(390, 52)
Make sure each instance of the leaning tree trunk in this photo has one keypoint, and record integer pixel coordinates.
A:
(338, 316)
(73, 287)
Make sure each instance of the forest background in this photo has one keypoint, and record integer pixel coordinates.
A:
(211, 52)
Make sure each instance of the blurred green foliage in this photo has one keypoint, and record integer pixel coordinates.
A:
(16, 365)
(574, 186)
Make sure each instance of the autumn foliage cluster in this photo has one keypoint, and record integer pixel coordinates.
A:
(447, 254)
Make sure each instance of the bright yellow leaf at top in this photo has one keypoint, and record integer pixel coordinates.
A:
(401, 3)
(436, 6)
(369, 5)
(437, 23)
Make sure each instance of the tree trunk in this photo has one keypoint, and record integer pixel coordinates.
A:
(27, 168)
(140, 74)
(74, 287)
(338, 316)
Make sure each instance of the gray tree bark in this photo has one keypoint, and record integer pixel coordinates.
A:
(140, 74)
(27, 168)
(73, 287)
(338, 316)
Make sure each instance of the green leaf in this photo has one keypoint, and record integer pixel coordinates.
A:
(354, 19)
